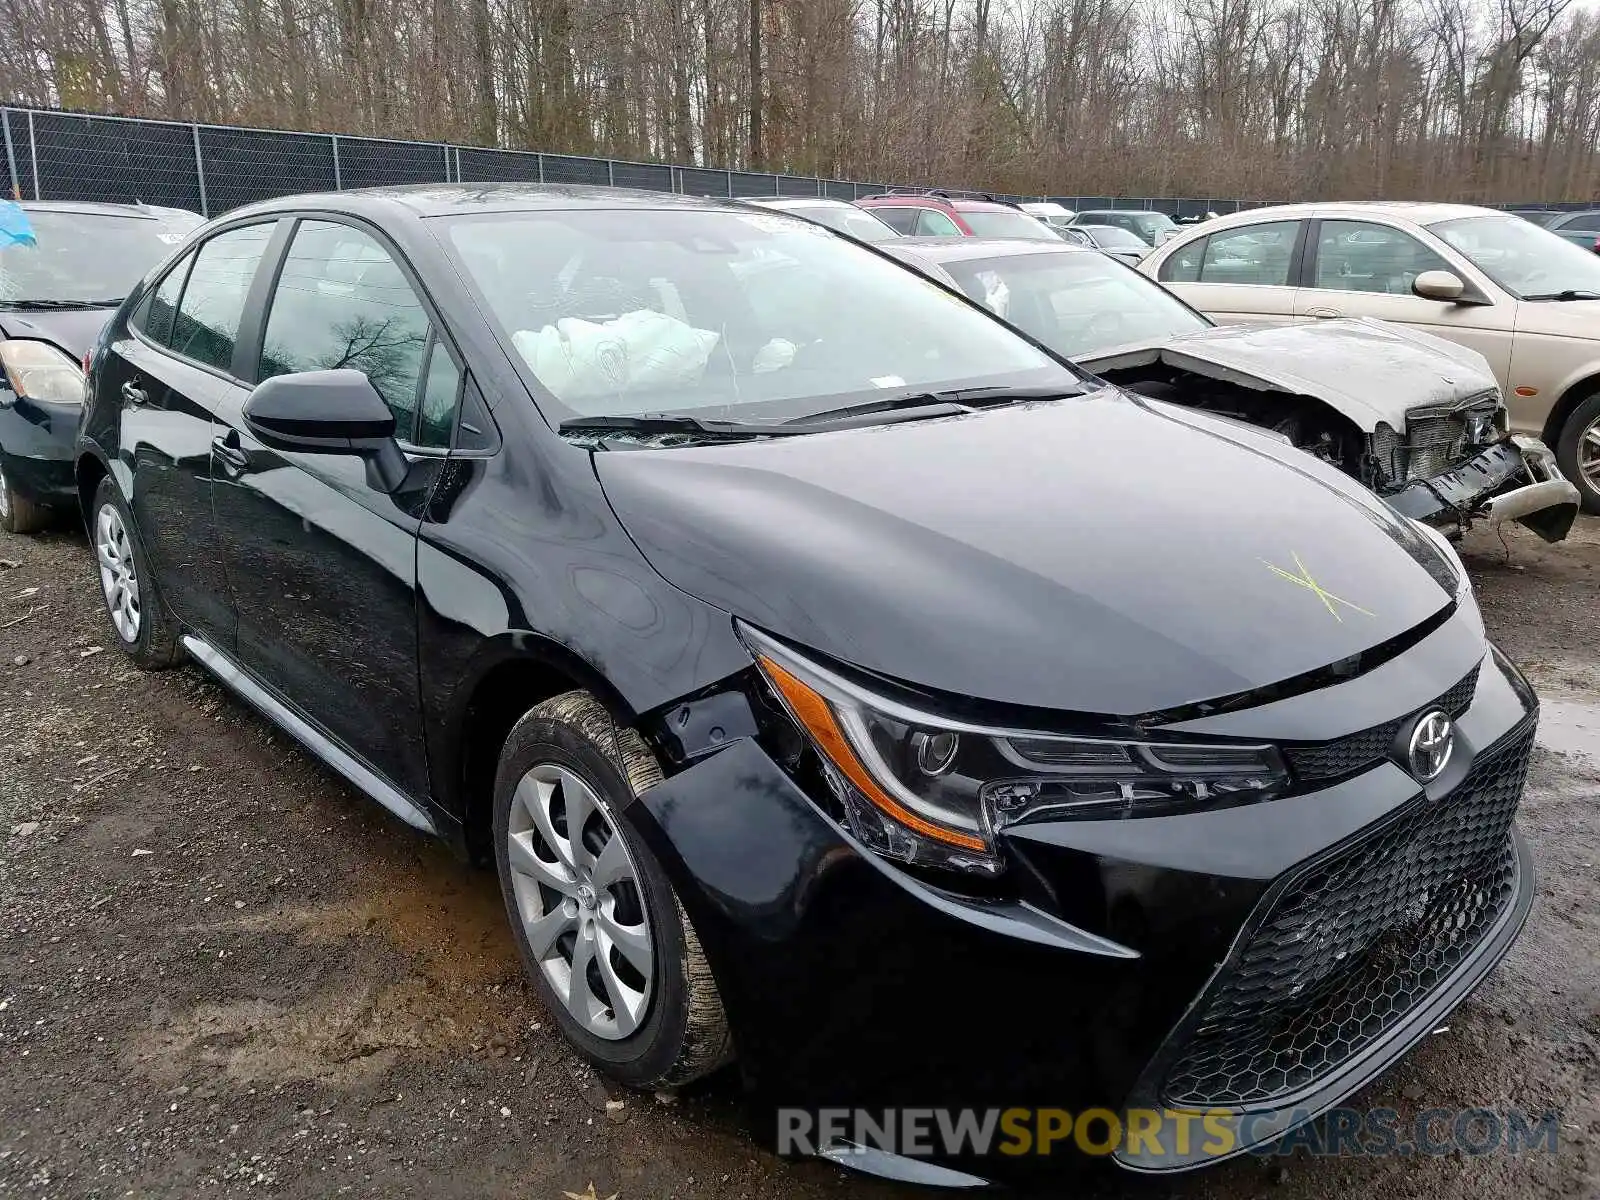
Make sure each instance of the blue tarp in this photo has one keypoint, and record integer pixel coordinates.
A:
(14, 227)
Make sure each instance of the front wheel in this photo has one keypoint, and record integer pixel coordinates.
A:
(1578, 451)
(18, 514)
(600, 931)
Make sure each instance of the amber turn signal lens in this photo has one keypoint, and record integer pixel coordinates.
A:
(813, 712)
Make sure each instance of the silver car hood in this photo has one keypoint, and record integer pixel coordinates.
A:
(1371, 371)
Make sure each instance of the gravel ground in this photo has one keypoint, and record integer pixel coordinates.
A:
(223, 972)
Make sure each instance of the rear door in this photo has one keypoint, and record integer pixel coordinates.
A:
(322, 563)
(1366, 269)
(1246, 274)
(172, 371)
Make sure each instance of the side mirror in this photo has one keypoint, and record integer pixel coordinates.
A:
(328, 412)
(1438, 285)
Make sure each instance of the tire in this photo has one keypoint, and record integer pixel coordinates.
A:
(648, 1019)
(1578, 451)
(18, 514)
(144, 630)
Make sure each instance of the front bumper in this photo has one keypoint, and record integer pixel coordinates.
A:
(852, 983)
(36, 450)
(1517, 479)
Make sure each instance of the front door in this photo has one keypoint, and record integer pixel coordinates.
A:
(1366, 269)
(322, 562)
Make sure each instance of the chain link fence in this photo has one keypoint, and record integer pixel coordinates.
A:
(209, 169)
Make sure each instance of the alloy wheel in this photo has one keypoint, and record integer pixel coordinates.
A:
(578, 897)
(1589, 453)
(118, 579)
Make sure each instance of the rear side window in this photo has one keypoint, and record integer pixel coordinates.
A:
(342, 301)
(1587, 223)
(1183, 265)
(902, 219)
(1257, 254)
(156, 315)
(207, 322)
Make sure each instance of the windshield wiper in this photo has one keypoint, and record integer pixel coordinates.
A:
(912, 406)
(650, 424)
(1569, 294)
(42, 305)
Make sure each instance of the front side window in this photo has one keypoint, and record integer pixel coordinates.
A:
(1075, 303)
(984, 223)
(933, 223)
(342, 301)
(85, 257)
(207, 323)
(722, 314)
(1254, 254)
(1529, 262)
(1183, 264)
(1360, 256)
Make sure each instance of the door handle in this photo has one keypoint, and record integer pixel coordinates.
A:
(1323, 314)
(134, 394)
(235, 458)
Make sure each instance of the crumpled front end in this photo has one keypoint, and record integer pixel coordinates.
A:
(1452, 465)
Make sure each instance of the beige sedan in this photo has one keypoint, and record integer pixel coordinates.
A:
(1523, 297)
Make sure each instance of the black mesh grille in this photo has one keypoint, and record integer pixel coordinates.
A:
(1353, 945)
(1348, 755)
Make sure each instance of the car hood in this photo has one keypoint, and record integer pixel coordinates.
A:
(1558, 318)
(1093, 554)
(74, 330)
(1371, 371)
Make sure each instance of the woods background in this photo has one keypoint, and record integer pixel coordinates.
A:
(1484, 100)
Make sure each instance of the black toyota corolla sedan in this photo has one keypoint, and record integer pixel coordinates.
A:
(796, 640)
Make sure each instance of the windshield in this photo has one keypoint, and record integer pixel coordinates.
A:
(985, 223)
(1527, 260)
(79, 257)
(743, 316)
(858, 223)
(1113, 238)
(1075, 303)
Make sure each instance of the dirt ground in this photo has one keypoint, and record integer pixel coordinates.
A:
(223, 972)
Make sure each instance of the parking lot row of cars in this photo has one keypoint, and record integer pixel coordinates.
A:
(806, 624)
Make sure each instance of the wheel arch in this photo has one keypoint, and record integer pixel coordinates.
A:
(1575, 394)
(512, 675)
(88, 471)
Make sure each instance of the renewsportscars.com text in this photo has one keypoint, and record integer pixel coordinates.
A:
(1216, 1133)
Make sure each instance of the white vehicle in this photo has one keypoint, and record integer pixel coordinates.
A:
(1525, 299)
(1057, 216)
(1415, 418)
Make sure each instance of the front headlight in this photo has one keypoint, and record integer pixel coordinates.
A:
(38, 371)
(1439, 559)
(925, 789)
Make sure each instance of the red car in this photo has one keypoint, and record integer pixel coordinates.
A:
(945, 214)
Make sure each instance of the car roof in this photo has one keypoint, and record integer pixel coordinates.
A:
(1418, 212)
(923, 199)
(956, 249)
(98, 209)
(797, 202)
(1122, 212)
(438, 200)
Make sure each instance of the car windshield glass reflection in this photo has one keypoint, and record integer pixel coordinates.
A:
(1526, 260)
(752, 317)
(1075, 303)
(83, 256)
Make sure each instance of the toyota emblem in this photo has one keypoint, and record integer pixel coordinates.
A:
(1432, 740)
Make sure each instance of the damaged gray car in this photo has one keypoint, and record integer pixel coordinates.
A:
(1417, 419)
